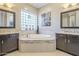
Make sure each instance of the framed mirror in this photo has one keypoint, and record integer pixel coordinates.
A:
(7, 19)
(70, 19)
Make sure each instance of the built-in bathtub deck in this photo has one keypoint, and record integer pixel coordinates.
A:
(37, 41)
(37, 45)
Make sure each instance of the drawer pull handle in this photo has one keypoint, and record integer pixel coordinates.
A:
(68, 41)
(65, 40)
(60, 35)
(2, 42)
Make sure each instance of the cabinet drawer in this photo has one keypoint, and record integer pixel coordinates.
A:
(12, 36)
(73, 37)
(61, 36)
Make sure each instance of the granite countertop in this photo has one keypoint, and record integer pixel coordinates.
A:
(8, 33)
(68, 33)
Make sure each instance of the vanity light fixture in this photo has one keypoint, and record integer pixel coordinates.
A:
(9, 5)
(69, 5)
(74, 4)
(26, 8)
(1, 3)
(66, 5)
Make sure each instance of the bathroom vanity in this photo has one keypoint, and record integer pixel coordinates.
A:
(8, 42)
(68, 42)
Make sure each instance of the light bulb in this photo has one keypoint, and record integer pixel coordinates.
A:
(73, 4)
(1, 3)
(9, 5)
(66, 5)
(26, 8)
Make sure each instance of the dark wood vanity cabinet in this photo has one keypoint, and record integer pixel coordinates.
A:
(68, 43)
(61, 41)
(9, 42)
(0, 46)
(73, 44)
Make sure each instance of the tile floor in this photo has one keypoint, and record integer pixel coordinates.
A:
(54, 53)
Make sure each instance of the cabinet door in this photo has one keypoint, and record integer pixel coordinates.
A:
(13, 42)
(0, 45)
(61, 41)
(4, 44)
(10, 43)
(73, 44)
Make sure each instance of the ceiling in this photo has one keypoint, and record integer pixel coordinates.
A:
(38, 5)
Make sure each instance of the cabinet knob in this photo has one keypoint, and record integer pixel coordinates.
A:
(68, 41)
(2, 42)
(65, 40)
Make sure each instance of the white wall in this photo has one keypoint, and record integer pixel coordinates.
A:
(55, 19)
(55, 9)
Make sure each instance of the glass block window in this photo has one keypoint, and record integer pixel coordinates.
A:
(28, 21)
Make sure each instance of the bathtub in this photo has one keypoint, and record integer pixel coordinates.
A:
(36, 37)
(37, 43)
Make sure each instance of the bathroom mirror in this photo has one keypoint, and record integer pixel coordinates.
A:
(77, 18)
(7, 19)
(70, 19)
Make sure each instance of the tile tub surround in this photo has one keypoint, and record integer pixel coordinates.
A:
(37, 45)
